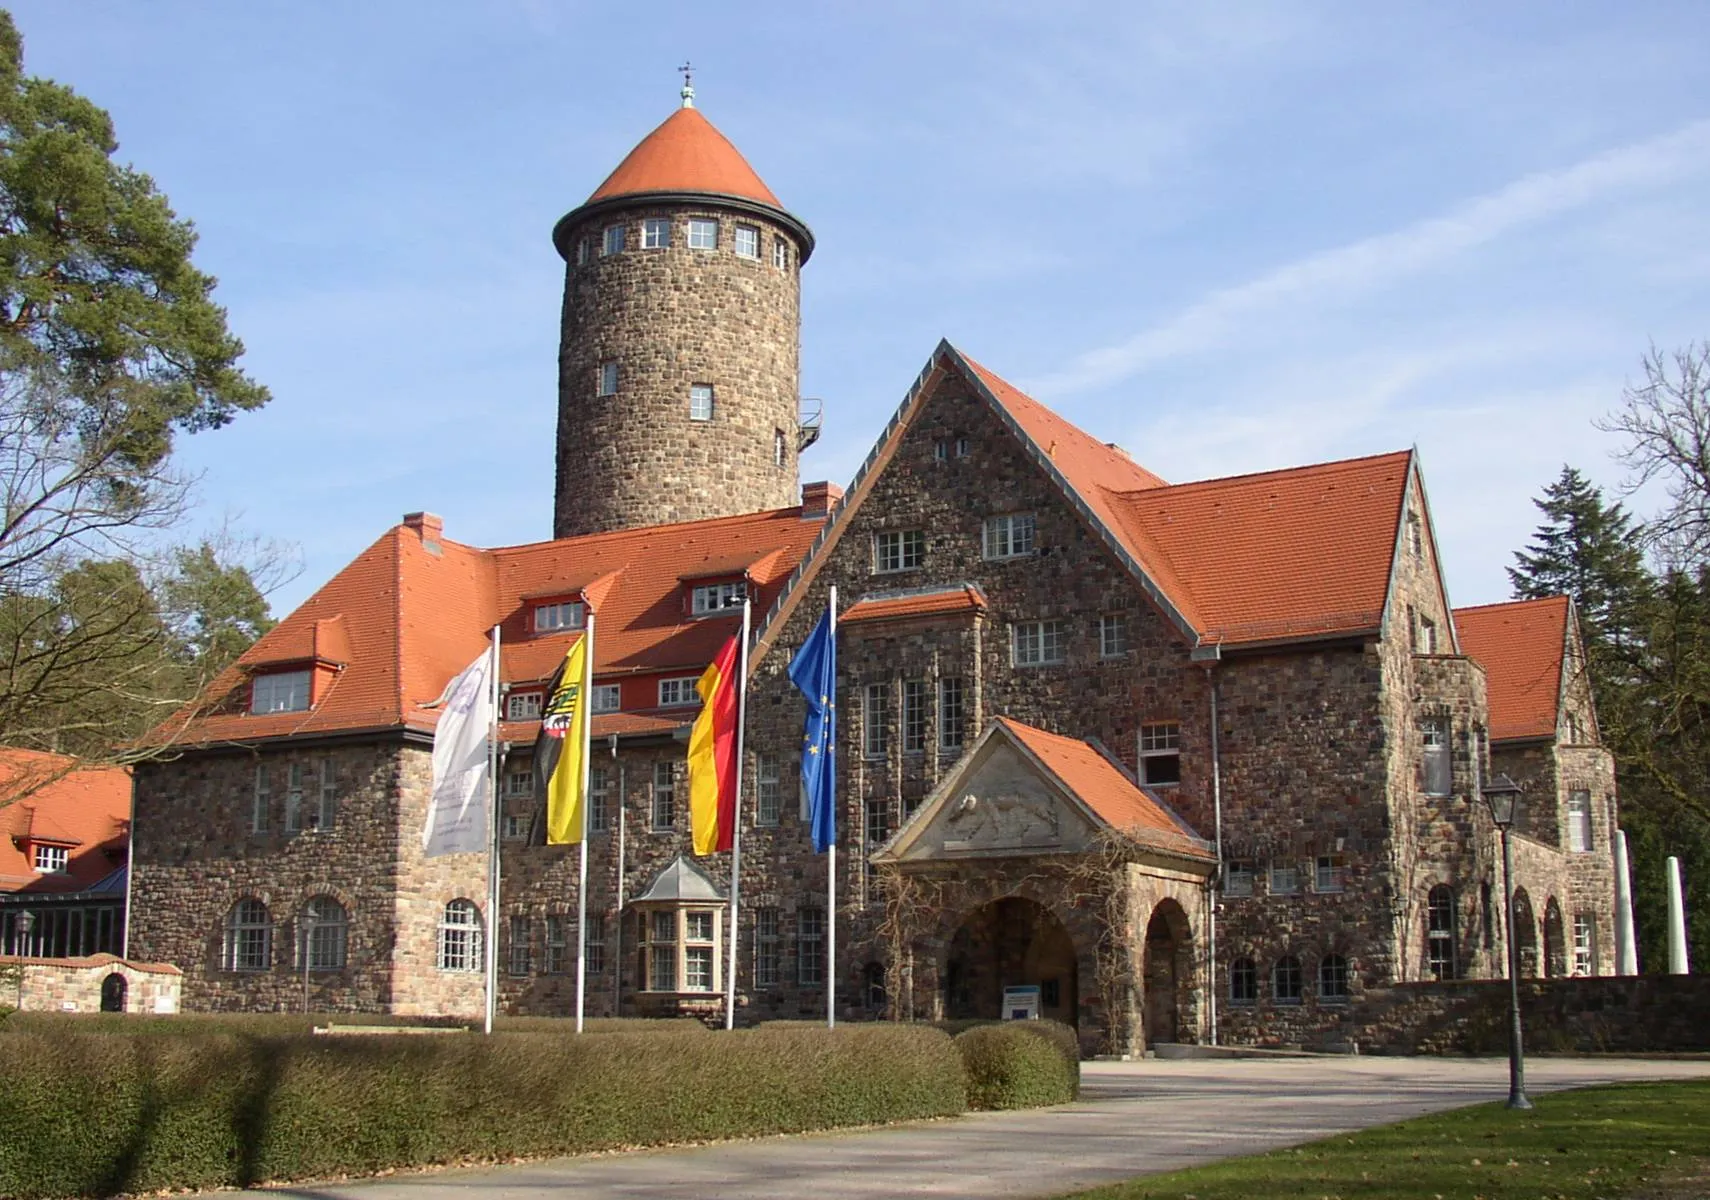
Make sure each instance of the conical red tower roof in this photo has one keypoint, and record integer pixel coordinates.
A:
(686, 154)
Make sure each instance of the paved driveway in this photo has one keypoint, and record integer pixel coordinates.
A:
(1133, 1118)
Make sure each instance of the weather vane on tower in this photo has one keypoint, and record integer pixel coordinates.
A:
(688, 70)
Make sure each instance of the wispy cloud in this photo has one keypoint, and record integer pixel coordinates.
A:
(1389, 258)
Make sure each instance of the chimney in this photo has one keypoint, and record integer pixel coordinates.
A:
(818, 499)
(430, 526)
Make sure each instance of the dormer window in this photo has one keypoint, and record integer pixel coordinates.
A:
(679, 692)
(522, 706)
(710, 598)
(564, 614)
(607, 697)
(282, 691)
(51, 859)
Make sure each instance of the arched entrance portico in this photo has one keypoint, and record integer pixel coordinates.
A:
(1167, 974)
(1009, 943)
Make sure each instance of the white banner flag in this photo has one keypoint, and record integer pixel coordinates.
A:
(457, 816)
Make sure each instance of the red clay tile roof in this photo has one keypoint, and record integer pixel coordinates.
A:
(685, 154)
(413, 615)
(1103, 787)
(94, 960)
(86, 809)
(958, 601)
(1521, 644)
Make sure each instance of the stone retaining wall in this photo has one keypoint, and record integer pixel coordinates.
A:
(74, 984)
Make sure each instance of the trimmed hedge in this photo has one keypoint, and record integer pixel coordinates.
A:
(1017, 1064)
(89, 1114)
(286, 1024)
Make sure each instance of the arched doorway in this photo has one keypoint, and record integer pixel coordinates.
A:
(1555, 941)
(1166, 972)
(1525, 934)
(113, 993)
(1010, 943)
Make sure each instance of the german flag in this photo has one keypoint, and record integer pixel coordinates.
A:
(712, 755)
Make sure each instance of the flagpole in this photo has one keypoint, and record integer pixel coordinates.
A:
(831, 861)
(731, 956)
(585, 699)
(491, 1004)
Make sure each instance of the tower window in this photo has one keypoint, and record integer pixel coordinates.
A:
(780, 253)
(655, 233)
(703, 234)
(582, 252)
(608, 377)
(747, 241)
(700, 401)
(780, 449)
(614, 240)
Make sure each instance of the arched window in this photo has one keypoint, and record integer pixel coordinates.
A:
(1333, 978)
(1243, 981)
(326, 933)
(1285, 980)
(460, 937)
(1440, 932)
(249, 937)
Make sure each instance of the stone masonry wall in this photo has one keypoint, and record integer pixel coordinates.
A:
(75, 984)
(670, 318)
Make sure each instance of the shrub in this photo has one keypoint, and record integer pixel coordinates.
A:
(1011, 1065)
(91, 1114)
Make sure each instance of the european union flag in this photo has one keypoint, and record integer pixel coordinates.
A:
(814, 672)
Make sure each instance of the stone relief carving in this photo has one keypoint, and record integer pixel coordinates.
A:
(1000, 820)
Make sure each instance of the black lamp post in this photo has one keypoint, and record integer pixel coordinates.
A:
(1501, 793)
(26, 921)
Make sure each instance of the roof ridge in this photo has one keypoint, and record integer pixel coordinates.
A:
(756, 516)
(1337, 465)
(1559, 598)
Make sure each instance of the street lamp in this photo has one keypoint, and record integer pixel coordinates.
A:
(1500, 794)
(26, 921)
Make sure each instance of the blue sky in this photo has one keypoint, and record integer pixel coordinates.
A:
(1230, 236)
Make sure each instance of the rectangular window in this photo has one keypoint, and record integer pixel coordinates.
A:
(613, 243)
(327, 811)
(914, 716)
(878, 824)
(522, 706)
(655, 233)
(679, 692)
(664, 807)
(662, 952)
(51, 858)
(703, 234)
(766, 947)
(282, 691)
(1579, 822)
(1243, 981)
(515, 827)
(700, 401)
(518, 963)
(608, 377)
(1584, 935)
(780, 253)
(599, 798)
(898, 550)
(1434, 734)
(1427, 635)
(1038, 643)
(583, 252)
(1161, 754)
(717, 597)
(261, 801)
(596, 946)
(810, 947)
(876, 720)
(780, 448)
(698, 975)
(607, 698)
(294, 798)
(1237, 878)
(519, 783)
(1285, 879)
(950, 715)
(747, 241)
(555, 946)
(768, 793)
(565, 614)
(1113, 636)
(1331, 873)
(1008, 536)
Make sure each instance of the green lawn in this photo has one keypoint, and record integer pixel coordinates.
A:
(1650, 1139)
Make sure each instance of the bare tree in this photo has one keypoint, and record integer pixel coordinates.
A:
(1666, 423)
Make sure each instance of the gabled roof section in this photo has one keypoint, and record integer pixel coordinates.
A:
(685, 154)
(1523, 645)
(52, 799)
(963, 601)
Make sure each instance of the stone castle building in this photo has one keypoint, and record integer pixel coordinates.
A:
(1197, 761)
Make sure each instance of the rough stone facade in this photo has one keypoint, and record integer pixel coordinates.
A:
(668, 319)
(86, 985)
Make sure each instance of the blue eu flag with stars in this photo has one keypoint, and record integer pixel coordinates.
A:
(814, 672)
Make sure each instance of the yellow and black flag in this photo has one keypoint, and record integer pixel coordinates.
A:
(561, 748)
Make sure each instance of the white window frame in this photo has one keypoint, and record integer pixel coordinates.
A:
(701, 402)
(294, 798)
(1243, 982)
(523, 706)
(897, 550)
(702, 233)
(952, 714)
(679, 692)
(748, 235)
(768, 791)
(1283, 877)
(913, 723)
(249, 937)
(1298, 970)
(1009, 535)
(459, 947)
(662, 799)
(519, 781)
(519, 957)
(514, 827)
(1330, 874)
(780, 448)
(1335, 977)
(768, 956)
(1160, 753)
(1039, 643)
(810, 947)
(599, 799)
(1579, 833)
(1238, 877)
(780, 254)
(326, 935)
(595, 947)
(712, 599)
(606, 698)
(608, 377)
(1584, 944)
(612, 240)
(556, 943)
(280, 691)
(1113, 636)
(326, 812)
(1436, 766)
(656, 233)
(876, 720)
(582, 251)
(560, 615)
(262, 800)
(50, 860)
(674, 937)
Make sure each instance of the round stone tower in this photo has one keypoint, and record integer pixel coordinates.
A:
(678, 361)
